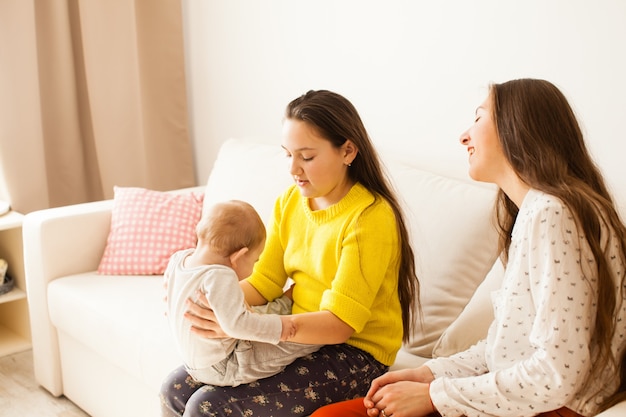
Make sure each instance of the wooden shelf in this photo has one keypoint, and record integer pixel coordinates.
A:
(14, 294)
(10, 220)
(14, 321)
(11, 342)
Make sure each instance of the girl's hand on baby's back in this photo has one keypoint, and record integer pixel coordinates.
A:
(202, 319)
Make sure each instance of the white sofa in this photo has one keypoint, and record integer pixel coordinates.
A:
(103, 342)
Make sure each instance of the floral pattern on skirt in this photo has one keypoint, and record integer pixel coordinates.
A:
(334, 373)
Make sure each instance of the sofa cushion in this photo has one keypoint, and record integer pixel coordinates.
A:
(147, 227)
(455, 244)
(241, 172)
(121, 318)
(473, 323)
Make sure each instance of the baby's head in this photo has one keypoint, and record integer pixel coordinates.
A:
(233, 229)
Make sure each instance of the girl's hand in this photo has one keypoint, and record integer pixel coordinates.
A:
(396, 392)
(165, 284)
(202, 319)
(401, 399)
(421, 374)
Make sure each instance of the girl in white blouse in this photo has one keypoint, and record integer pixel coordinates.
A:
(556, 345)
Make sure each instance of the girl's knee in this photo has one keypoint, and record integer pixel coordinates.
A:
(197, 406)
(175, 391)
(170, 401)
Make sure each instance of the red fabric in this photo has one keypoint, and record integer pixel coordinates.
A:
(355, 408)
(561, 412)
(350, 408)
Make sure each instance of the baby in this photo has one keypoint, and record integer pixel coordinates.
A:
(231, 237)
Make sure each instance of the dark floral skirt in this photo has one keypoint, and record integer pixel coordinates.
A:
(333, 373)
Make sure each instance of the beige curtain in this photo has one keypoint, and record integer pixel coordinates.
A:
(92, 95)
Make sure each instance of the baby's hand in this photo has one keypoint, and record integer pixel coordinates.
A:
(165, 284)
(289, 328)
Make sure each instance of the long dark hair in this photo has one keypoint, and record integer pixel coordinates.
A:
(337, 120)
(544, 144)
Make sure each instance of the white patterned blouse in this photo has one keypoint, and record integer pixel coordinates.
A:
(537, 354)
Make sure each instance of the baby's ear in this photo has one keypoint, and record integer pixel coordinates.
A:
(235, 256)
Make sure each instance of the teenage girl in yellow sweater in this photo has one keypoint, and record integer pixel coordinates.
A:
(339, 233)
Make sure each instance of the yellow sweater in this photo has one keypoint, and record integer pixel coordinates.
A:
(343, 259)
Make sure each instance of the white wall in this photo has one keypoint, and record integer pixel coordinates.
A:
(415, 70)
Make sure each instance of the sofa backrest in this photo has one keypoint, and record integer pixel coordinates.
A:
(449, 222)
(251, 171)
(455, 244)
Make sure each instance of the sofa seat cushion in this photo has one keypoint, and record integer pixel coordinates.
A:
(122, 318)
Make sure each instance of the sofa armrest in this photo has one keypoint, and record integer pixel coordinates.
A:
(58, 242)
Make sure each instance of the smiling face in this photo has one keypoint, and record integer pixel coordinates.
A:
(487, 161)
(319, 169)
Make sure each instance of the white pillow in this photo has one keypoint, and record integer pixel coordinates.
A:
(455, 244)
(472, 324)
(251, 171)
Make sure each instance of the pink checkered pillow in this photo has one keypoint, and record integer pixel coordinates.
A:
(147, 227)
